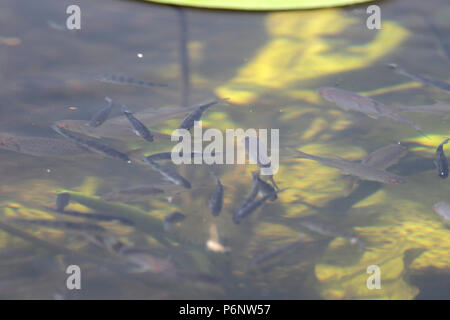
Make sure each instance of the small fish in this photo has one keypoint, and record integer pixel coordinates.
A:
(138, 127)
(62, 200)
(422, 79)
(442, 209)
(101, 115)
(145, 261)
(124, 80)
(188, 121)
(441, 161)
(118, 131)
(348, 100)
(173, 218)
(382, 159)
(269, 255)
(119, 127)
(249, 208)
(327, 230)
(216, 200)
(134, 193)
(77, 226)
(385, 157)
(172, 176)
(41, 147)
(92, 145)
(360, 170)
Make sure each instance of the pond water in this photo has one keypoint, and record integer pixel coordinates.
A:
(269, 66)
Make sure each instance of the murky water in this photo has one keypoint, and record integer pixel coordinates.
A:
(269, 65)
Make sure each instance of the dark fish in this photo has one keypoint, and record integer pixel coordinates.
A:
(348, 100)
(172, 176)
(422, 79)
(97, 216)
(172, 218)
(442, 209)
(62, 200)
(249, 208)
(138, 127)
(124, 80)
(216, 199)
(101, 115)
(188, 122)
(441, 161)
(41, 147)
(119, 127)
(92, 145)
(110, 129)
(385, 157)
(77, 226)
(360, 170)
